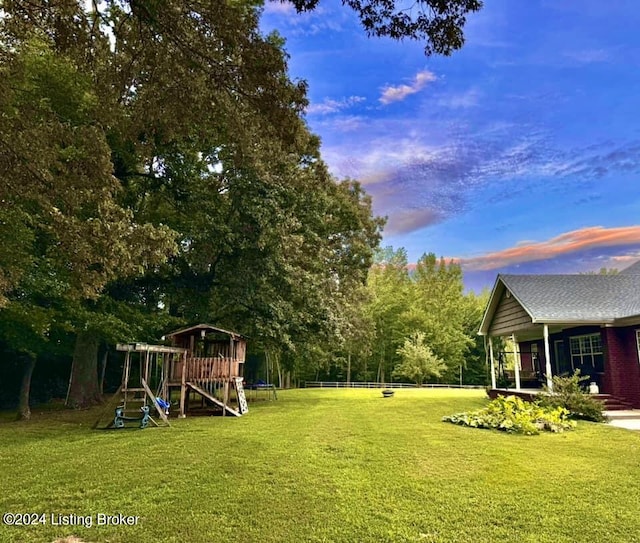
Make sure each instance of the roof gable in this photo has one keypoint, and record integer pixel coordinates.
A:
(569, 298)
(634, 269)
(204, 327)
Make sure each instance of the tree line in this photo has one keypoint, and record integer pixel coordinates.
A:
(156, 169)
(409, 323)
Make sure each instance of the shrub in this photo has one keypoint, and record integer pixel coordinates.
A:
(569, 393)
(512, 414)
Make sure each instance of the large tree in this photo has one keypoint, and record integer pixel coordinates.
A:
(439, 310)
(389, 288)
(155, 157)
(67, 233)
(429, 300)
(153, 123)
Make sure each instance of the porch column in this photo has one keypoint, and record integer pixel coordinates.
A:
(547, 358)
(516, 357)
(493, 364)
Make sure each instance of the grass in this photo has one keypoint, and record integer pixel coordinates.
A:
(323, 466)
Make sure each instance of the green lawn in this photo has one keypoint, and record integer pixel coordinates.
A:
(323, 465)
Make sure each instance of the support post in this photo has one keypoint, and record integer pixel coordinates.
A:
(547, 358)
(516, 356)
(125, 379)
(493, 363)
(127, 366)
(225, 397)
(152, 398)
(183, 385)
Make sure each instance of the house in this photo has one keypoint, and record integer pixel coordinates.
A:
(559, 323)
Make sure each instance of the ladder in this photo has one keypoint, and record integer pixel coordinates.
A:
(243, 407)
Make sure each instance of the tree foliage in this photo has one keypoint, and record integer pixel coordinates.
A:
(58, 197)
(418, 361)
(427, 298)
(157, 169)
(437, 23)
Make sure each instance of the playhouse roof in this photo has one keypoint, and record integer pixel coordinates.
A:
(182, 331)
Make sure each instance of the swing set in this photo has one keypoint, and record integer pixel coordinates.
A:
(203, 360)
(145, 385)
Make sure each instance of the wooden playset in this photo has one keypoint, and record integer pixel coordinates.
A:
(202, 360)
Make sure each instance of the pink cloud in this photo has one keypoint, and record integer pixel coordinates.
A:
(400, 92)
(569, 242)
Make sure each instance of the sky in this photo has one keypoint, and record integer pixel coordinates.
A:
(520, 153)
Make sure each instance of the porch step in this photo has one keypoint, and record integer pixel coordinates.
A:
(613, 403)
(623, 414)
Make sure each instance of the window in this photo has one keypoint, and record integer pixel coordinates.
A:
(586, 352)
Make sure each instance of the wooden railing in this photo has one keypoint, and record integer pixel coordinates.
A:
(212, 368)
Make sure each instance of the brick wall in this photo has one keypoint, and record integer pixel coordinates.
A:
(622, 370)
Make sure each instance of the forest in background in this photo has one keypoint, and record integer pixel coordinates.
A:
(156, 170)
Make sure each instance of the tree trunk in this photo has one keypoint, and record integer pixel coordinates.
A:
(349, 367)
(24, 411)
(279, 369)
(83, 385)
(267, 361)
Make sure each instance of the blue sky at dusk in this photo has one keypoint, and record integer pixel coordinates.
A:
(520, 153)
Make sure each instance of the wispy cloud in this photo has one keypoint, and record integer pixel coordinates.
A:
(408, 220)
(441, 164)
(279, 8)
(598, 161)
(624, 261)
(398, 93)
(588, 56)
(564, 244)
(329, 105)
(349, 123)
(282, 16)
(462, 100)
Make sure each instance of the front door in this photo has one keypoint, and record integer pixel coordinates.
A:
(562, 364)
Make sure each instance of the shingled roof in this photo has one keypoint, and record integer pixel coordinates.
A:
(576, 297)
(569, 299)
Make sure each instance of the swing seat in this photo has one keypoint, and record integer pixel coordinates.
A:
(162, 404)
(120, 419)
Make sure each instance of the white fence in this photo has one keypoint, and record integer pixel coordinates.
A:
(342, 384)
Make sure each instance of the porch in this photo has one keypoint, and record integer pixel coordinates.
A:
(558, 324)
